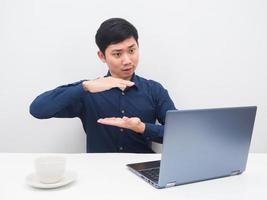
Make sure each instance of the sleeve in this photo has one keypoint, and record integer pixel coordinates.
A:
(62, 102)
(154, 132)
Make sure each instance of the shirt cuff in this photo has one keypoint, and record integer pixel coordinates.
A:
(153, 132)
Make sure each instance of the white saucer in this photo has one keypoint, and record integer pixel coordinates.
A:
(33, 181)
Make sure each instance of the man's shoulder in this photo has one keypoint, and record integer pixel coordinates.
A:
(148, 82)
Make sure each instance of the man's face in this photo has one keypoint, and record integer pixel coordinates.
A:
(122, 58)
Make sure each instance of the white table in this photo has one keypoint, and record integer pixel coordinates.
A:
(105, 176)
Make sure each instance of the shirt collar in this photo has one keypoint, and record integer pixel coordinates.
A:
(133, 79)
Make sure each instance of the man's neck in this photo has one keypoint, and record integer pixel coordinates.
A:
(127, 79)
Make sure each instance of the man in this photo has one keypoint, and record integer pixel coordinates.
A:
(118, 111)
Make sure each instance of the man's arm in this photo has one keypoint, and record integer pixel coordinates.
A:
(164, 103)
(65, 101)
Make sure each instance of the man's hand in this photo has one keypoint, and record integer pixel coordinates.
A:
(105, 83)
(133, 123)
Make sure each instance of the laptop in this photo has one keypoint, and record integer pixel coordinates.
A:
(200, 145)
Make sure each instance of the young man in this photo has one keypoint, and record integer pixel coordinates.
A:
(118, 111)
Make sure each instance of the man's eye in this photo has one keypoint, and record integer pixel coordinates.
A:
(132, 50)
(117, 54)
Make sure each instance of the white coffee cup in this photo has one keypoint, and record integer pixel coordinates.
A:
(50, 169)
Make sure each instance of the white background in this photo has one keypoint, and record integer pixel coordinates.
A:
(207, 53)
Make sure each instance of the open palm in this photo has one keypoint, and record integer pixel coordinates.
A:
(132, 123)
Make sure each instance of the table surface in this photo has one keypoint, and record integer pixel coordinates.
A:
(105, 176)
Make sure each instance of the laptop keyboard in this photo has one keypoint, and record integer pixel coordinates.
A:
(152, 173)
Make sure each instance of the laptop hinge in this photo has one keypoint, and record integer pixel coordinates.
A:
(235, 172)
(170, 184)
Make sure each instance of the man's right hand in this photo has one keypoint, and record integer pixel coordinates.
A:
(106, 83)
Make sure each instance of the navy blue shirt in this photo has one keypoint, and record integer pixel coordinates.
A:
(147, 100)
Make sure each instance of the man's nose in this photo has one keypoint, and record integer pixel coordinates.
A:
(126, 59)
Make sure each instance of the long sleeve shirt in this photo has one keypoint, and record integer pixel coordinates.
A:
(146, 99)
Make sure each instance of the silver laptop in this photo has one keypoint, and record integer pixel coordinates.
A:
(200, 145)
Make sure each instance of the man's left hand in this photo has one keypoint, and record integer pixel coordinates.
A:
(133, 123)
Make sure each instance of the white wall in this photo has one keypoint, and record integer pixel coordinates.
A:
(206, 53)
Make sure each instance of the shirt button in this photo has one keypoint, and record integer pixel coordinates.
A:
(121, 148)
(122, 111)
(121, 129)
(123, 93)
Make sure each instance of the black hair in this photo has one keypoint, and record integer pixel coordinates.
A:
(114, 30)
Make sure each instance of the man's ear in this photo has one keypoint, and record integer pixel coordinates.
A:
(101, 56)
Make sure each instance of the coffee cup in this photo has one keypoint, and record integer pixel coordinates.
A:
(50, 169)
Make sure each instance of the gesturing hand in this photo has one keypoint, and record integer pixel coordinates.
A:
(106, 83)
(133, 123)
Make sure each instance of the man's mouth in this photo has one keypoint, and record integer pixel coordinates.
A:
(126, 69)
